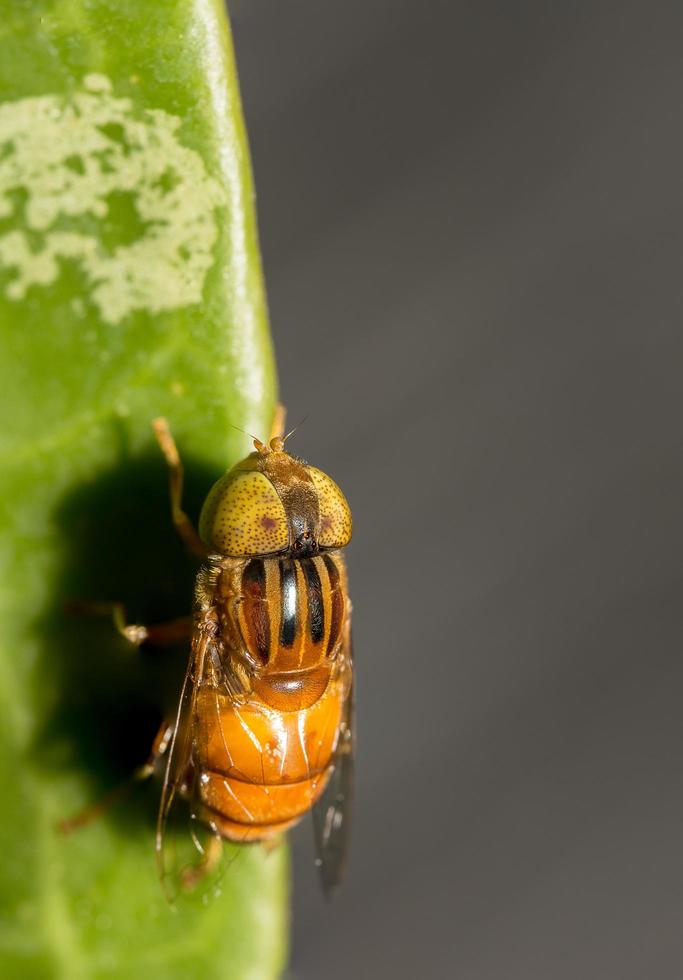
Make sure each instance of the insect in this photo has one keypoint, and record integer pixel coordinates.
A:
(264, 727)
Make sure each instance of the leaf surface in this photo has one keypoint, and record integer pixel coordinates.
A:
(130, 287)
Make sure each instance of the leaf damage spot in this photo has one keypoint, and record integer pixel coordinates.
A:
(111, 188)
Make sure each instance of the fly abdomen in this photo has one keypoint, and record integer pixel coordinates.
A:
(258, 770)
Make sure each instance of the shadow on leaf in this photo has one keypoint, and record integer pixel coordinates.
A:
(106, 698)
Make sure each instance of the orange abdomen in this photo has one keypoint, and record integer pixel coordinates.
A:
(261, 769)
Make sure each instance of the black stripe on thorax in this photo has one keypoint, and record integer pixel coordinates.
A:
(337, 603)
(314, 592)
(255, 609)
(288, 598)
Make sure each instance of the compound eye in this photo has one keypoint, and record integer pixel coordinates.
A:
(243, 515)
(335, 515)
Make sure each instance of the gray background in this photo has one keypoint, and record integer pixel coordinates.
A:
(471, 224)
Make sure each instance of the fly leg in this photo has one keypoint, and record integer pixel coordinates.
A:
(271, 844)
(158, 634)
(94, 810)
(160, 745)
(192, 876)
(279, 419)
(183, 524)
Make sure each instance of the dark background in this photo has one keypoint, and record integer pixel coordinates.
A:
(471, 222)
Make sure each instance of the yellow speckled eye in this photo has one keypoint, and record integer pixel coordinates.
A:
(335, 516)
(243, 515)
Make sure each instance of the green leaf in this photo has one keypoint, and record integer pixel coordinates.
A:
(130, 287)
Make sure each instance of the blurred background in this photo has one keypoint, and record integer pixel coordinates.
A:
(470, 216)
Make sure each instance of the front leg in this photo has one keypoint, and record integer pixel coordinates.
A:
(277, 429)
(183, 524)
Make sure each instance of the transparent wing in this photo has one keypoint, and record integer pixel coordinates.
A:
(332, 812)
(179, 762)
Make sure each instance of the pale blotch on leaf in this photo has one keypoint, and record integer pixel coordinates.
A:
(64, 161)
